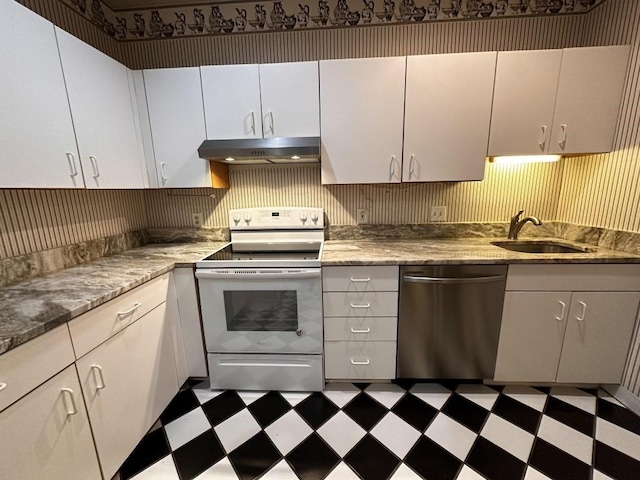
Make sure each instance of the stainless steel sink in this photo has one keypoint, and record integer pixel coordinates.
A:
(540, 246)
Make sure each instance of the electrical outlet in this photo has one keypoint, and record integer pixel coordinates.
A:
(196, 219)
(438, 214)
(363, 216)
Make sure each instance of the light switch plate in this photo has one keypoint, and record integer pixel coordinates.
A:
(438, 214)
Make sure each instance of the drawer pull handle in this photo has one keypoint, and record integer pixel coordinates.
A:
(363, 305)
(584, 312)
(360, 362)
(3, 386)
(136, 306)
(368, 279)
(74, 408)
(360, 330)
(97, 368)
(564, 306)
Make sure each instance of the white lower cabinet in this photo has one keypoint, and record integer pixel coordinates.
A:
(46, 434)
(127, 382)
(364, 360)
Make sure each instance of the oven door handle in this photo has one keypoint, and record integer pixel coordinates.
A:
(258, 275)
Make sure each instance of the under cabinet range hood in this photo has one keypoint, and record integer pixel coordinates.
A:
(274, 150)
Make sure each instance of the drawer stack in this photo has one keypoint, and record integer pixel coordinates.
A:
(360, 322)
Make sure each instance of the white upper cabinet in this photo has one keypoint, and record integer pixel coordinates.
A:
(523, 102)
(99, 92)
(290, 99)
(176, 117)
(361, 117)
(447, 116)
(36, 133)
(231, 96)
(588, 102)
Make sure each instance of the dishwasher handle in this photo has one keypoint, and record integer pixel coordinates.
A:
(453, 280)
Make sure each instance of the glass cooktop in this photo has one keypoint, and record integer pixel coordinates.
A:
(284, 251)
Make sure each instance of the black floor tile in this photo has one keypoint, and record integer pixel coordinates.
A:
(404, 383)
(198, 455)
(312, 459)
(569, 415)
(361, 386)
(469, 414)
(556, 463)
(615, 463)
(546, 390)
(518, 413)
(225, 405)
(415, 412)
(365, 411)
(494, 462)
(254, 457)
(152, 447)
(371, 460)
(268, 408)
(431, 461)
(316, 409)
(618, 415)
(182, 403)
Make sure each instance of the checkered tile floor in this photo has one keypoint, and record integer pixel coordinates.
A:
(381, 431)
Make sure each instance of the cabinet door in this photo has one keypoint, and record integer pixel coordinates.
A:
(599, 329)
(176, 115)
(36, 133)
(40, 439)
(446, 126)
(531, 335)
(290, 99)
(523, 102)
(231, 96)
(588, 102)
(361, 119)
(127, 382)
(102, 109)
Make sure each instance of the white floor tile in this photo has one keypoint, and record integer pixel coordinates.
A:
(204, 396)
(468, 474)
(508, 436)
(281, 471)
(451, 435)
(341, 433)
(396, 434)
(576, 397)
(341, 393)
(600, 476)
(288, 431)
(164, 469)
(566, 438)
(434, 394)
(294, 398)
(342, 472)
(249, 397)
(387, 394)
(186, 428)
(236, 430)
(606, 396)
(619, 438)
(484, 396)
(533, 474)
(527, 395)
(223, 470)
(405, 473)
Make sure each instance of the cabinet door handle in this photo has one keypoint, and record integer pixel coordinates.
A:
(3, 386)
(72, 164)
(69, 394)
(581, 317)
(363, 305)
(563, 140)
(136, 305)
(100, 376)
(411, 170)
(163, 176)
(360, 362)
(564, 306)
(392, 167)
(253, 122)
(368, 279)
(543, 138)
(360, 330)
(271, 124)
(94, 164)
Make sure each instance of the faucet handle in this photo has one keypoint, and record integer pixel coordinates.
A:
(516, 217)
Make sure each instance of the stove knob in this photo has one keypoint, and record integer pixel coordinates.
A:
(303, 217)
(314, 217)
(247, 218)
(236, 219)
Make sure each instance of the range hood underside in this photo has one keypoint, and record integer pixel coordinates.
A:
(262, 150)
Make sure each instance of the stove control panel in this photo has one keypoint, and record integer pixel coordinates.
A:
(281, 218)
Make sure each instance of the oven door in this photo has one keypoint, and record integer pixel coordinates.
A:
(261, 310)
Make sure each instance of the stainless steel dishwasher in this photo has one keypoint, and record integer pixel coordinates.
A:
(449, 321)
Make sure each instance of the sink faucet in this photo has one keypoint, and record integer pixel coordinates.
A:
(517, 224)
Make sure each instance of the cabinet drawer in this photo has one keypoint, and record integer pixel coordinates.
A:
(356, 304)
(30, 365)
(360, 279)
(96, 326)
(361, 328)
(360, 360)
(586, 278)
